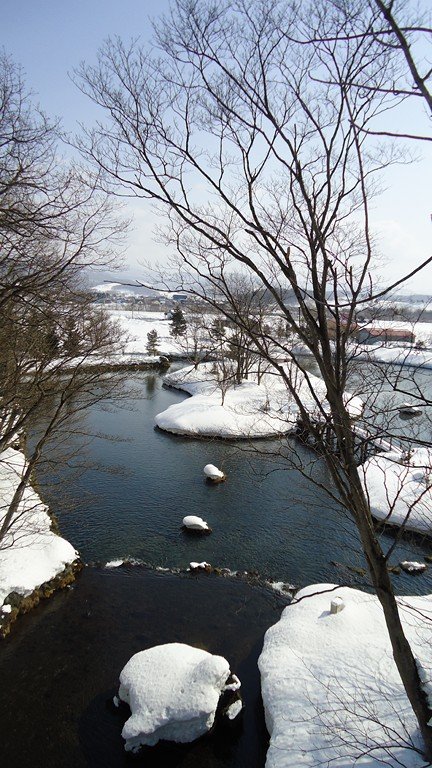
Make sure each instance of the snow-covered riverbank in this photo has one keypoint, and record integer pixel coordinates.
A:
(136, 324)
(31, 554)
(248, 410)
(331, 690)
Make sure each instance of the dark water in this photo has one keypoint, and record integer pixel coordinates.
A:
(265, 517)
(59, 670)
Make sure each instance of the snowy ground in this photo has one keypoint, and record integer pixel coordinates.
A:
(137, 324)
(400, 492)
(249, 410)
(396, 355)
(331, 690)
(37, 554)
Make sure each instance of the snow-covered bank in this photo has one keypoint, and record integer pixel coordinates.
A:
(249, 410)
(394, 355)
(31, 554)
(136, 324)
(400, 491)
(331, 690)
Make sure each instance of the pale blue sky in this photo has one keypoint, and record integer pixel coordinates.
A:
(50, 37)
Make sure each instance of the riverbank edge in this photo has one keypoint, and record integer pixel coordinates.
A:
(21, 604)
(16, 602)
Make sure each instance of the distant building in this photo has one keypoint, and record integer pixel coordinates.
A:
(378, 335)
(179, 298)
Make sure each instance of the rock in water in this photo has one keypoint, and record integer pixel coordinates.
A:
(194, 523)
(213, 473)
(173, 691)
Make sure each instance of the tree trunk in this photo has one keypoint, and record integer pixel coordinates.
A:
(402, 653)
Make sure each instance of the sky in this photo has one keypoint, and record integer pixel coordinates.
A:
(49, 38)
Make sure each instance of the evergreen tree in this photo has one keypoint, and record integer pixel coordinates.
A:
(152, 342)
(178, 323)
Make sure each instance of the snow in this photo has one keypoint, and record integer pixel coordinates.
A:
(194, 566)
(250, 410)
(400, 492)
(37, 554)
(394, 354)
(213, 472)
(331, 690)
(234, 686)
(412, 566)
(234, 710)
(137, 324)
(173, 691)
(195, 523)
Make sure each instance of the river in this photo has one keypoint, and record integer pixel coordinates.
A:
(126, 498)
(267, 517)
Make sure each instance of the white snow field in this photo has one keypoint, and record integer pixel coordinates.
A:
(400, 491)
(137, 324)
(173, 691)
(331, 690)
(250, 410)
(30, 553)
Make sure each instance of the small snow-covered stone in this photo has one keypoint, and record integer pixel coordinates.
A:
(234, 709)
(337, 605)
(193, 566)
(195, 523)
(408, 409)
(411, 566)
(6, 608)
(213, 473)
(234, 686)
(173, 691)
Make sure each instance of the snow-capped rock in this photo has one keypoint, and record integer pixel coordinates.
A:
(173, 691)
(213, 473)
(194, 523)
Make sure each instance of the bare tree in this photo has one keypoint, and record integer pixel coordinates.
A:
(53, 223)
(246, 104)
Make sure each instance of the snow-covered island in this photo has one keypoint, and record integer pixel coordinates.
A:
(34, 560)
(331, 690)
(248, 410)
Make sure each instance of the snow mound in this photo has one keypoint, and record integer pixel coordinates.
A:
(213, 472)
(195, 523)
(31, 553)
(173, 691)
(331, 690)
(400, 492)
(412, 566)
